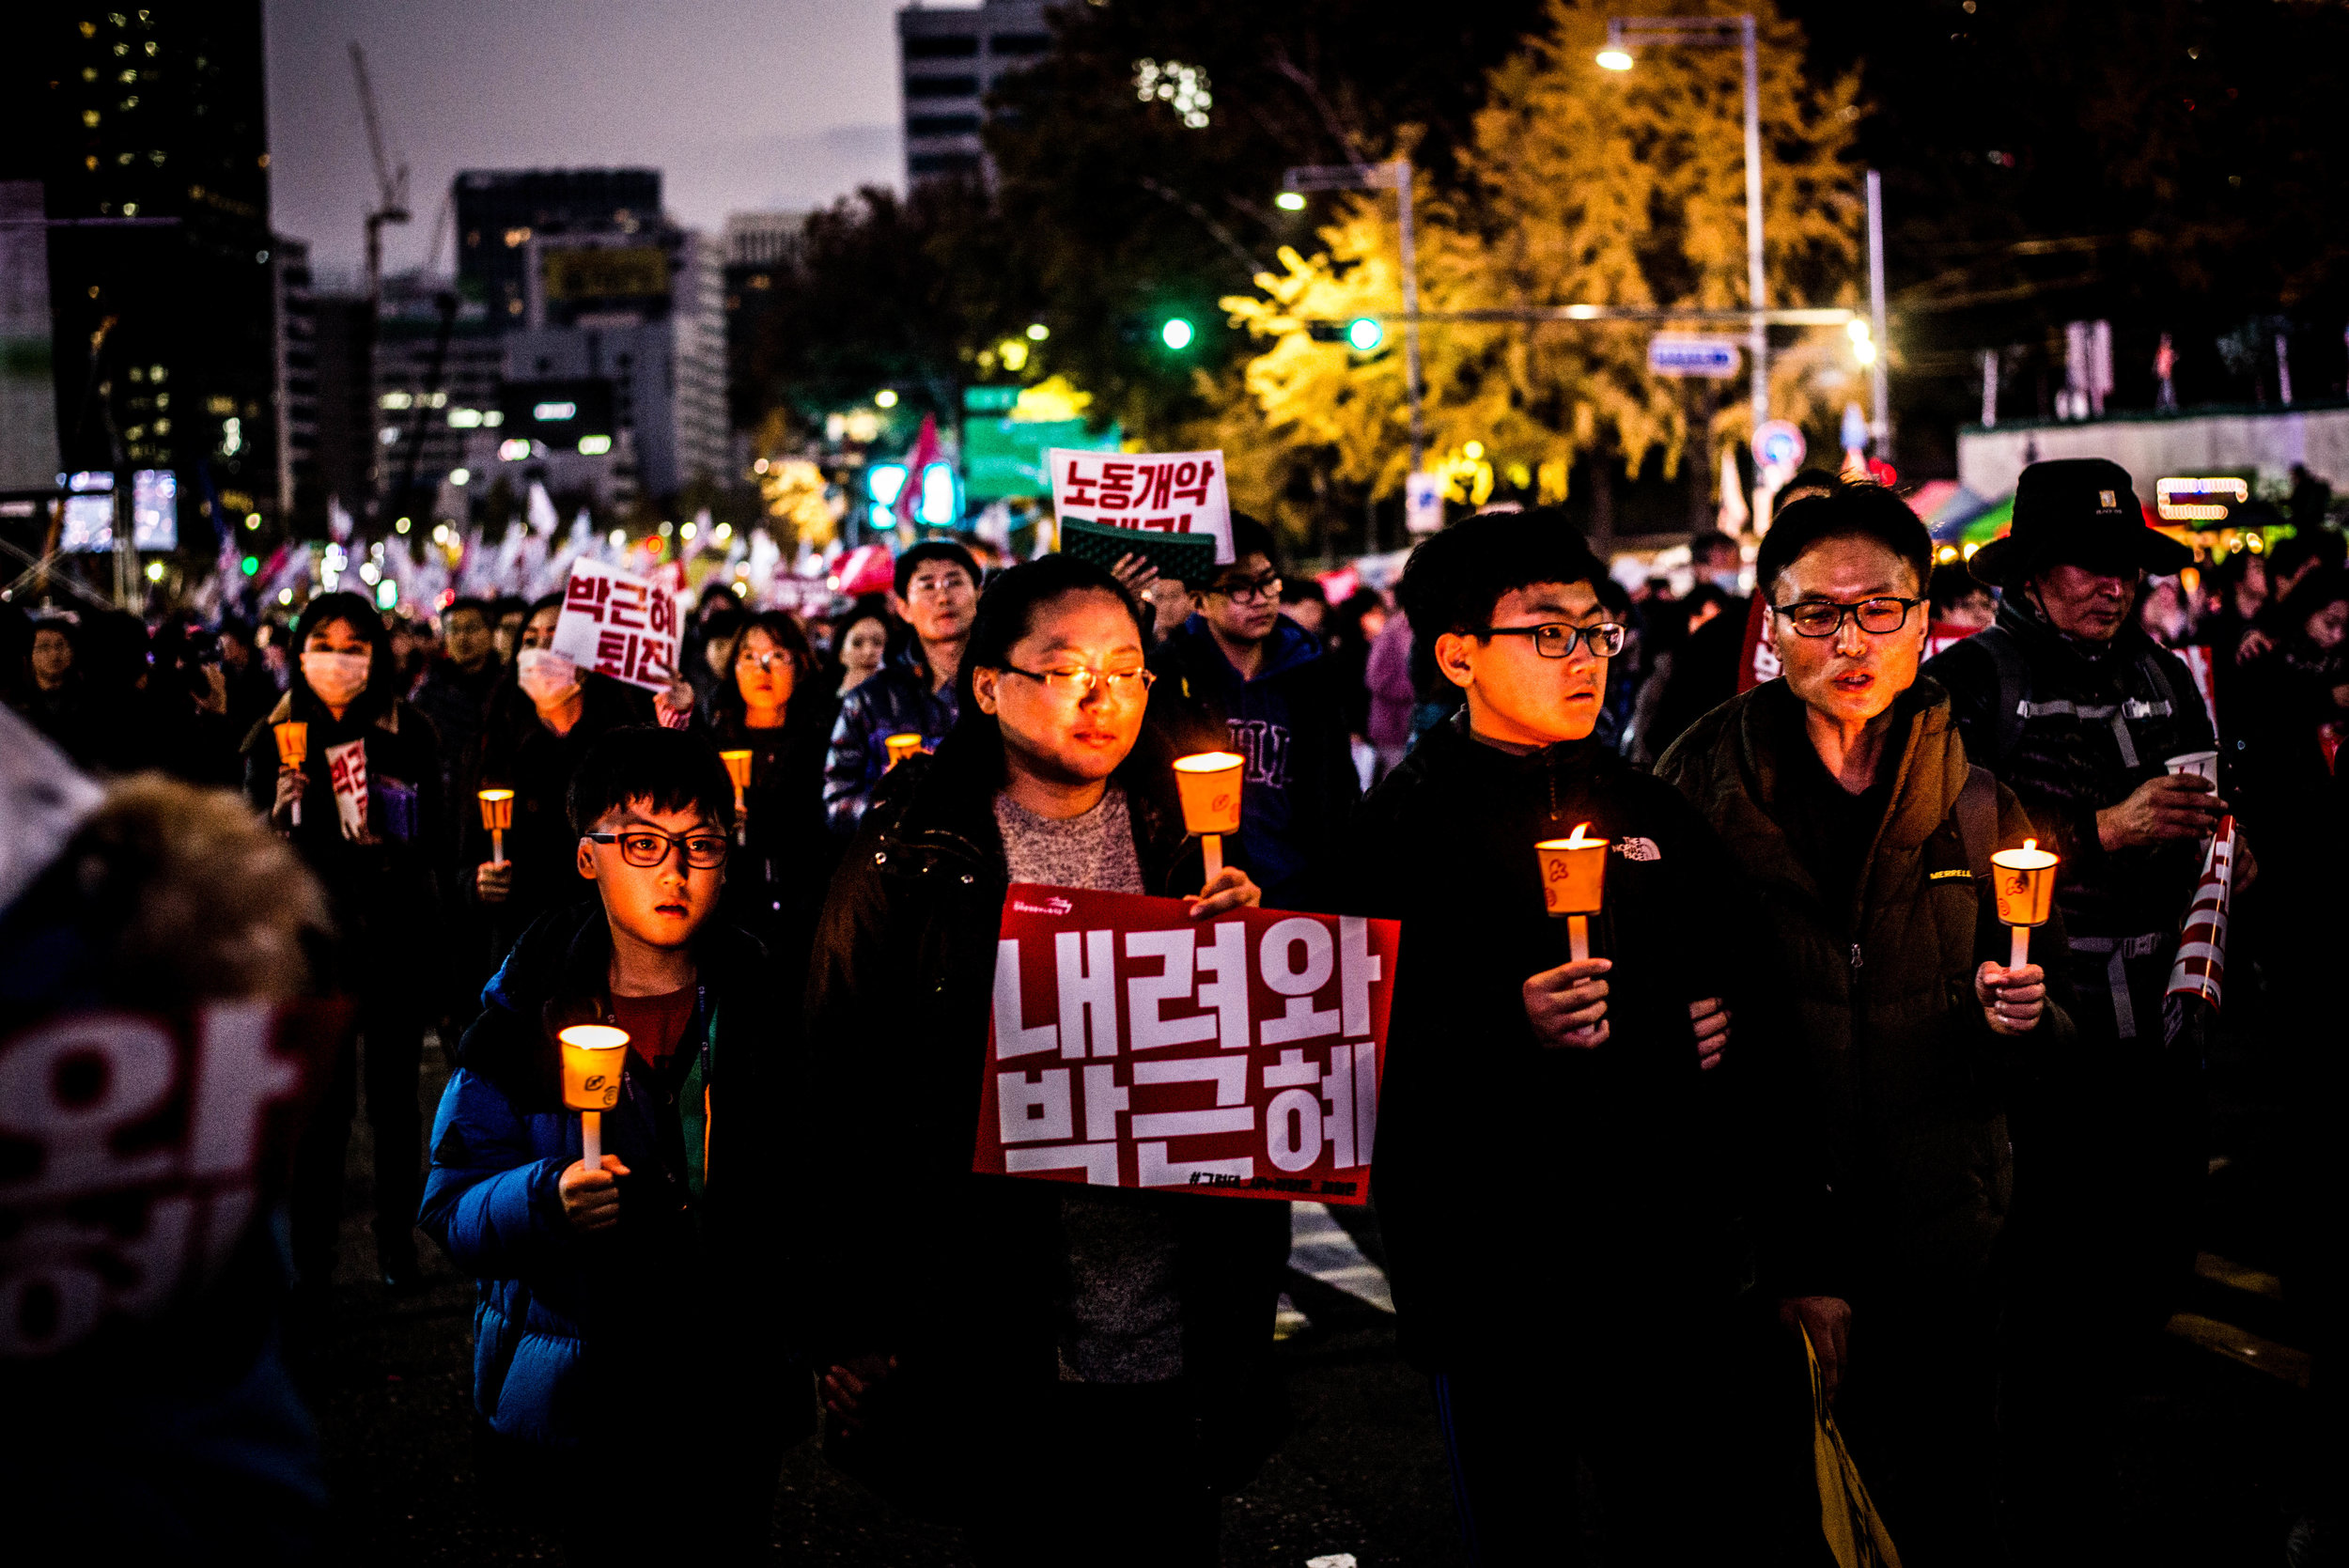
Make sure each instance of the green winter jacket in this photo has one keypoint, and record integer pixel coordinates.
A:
(1904, 1086)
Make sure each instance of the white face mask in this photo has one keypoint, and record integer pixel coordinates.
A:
(546, 678)
(336, 677)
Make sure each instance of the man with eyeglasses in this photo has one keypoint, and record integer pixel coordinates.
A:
(1558, 1153)
(1845, 794)
(1239, 675)
(634, 1303)
(2069, 701)
(938, 594)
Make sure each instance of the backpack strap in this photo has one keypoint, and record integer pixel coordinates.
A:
(1978, 819)
(2014, 686)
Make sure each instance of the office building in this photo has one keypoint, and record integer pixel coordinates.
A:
(440, 368)
(501, 211)
(763, 252)
(28, 391)
(948, 61)
(146, 128)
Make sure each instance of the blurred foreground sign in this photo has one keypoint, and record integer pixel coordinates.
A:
(1132, 1045)
(1691, 356)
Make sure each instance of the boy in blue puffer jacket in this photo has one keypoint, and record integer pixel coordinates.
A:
(633, 1309)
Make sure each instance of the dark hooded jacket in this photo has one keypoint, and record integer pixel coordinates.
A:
(679, 1310)
(960, 1275)
(1289, 720)
(1904, 1087)
(1509, 1172)
(900, 700)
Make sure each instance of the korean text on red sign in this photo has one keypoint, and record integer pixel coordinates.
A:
(1161, 492)
(1134, 1047)
(619, 625)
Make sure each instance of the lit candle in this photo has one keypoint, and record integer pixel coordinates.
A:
(2024, 880)
(738, 770)
(902, 746)
(1574, 875)
(497, 815)
(593, 1054)
(293, 749)
(1209, 784)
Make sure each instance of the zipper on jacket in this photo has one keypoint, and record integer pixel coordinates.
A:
(1857, 958)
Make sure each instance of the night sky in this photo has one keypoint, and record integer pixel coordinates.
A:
(742, 106)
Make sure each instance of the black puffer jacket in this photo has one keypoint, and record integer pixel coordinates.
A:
(958, 1275)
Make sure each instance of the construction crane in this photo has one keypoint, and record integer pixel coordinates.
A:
(391, 182)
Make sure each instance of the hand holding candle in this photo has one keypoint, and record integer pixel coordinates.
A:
(497, 815)
(2024, 882)
(1209, 784)
(593, 1057)
(902, 746)
(1574, 877)
(294, 750)
(738, 770)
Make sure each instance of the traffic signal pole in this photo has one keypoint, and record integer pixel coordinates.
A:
(1410, 309)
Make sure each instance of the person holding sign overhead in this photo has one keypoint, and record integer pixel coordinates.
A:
(633, 1301)
(974, 1326)
(1846, 795)
(374, 834)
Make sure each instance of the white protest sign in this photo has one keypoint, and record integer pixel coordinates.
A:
(1169, 506)
(619, 625)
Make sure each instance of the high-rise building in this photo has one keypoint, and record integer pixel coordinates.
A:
(949, 60)
(763, 250)
(28, 390)
(439, 365)
(621, 359)
(500, 211)
(145, 126)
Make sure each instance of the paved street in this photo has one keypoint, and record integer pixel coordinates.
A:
(2208, 1446)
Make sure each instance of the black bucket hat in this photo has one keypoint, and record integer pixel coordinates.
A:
(2076, 511)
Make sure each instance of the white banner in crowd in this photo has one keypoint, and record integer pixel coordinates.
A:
(1172, 495)
(619, 625)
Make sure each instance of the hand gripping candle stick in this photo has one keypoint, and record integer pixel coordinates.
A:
(738, 770)
(902, 746)
(592, 1057)
(2024, 880)
(1209, 786)
(293, 749)
(497, 815)
(1574, 874)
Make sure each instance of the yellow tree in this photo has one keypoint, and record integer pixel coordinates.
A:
(1582, 186)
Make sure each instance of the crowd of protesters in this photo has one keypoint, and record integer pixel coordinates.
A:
(1801, 1098)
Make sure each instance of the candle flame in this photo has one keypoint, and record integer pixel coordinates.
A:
(2030, 843)
(1576, 839)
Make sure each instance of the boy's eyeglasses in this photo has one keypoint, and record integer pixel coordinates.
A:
(1265, 587)
(704, 851)
(1556, 640)
(1078, 684)
(1825, 618)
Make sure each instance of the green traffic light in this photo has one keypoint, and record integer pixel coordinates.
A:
(251, 565)
(1176, 333)
(1362, 335)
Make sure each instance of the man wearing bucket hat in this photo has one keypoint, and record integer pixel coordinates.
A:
(2076, 709)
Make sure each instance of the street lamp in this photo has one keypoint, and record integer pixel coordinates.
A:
(1717, 32)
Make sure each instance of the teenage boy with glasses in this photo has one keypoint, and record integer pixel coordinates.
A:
(938, 594)
(1557, 1153)
(630, 1307)
(1239, 676)
(1845, 794)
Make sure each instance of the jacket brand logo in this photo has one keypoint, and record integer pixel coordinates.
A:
(2105, 499)
(1049, 907)
(1947, 876)
(1638, 850)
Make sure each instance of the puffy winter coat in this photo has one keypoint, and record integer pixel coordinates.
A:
(897, 701)
(1906, 1086)
(677, 1309)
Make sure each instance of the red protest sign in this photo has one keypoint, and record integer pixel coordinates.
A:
(1132, 1045)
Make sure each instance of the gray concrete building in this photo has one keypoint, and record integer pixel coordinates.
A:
(948, 61)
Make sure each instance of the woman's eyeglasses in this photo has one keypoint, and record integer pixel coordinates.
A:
(703, 851)
(1078, 684)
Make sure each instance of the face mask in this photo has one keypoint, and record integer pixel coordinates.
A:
(545, 677)
(336, 677)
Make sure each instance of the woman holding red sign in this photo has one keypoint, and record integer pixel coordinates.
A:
(1100, 1371)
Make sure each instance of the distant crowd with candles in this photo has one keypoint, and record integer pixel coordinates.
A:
(1816, 1061)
